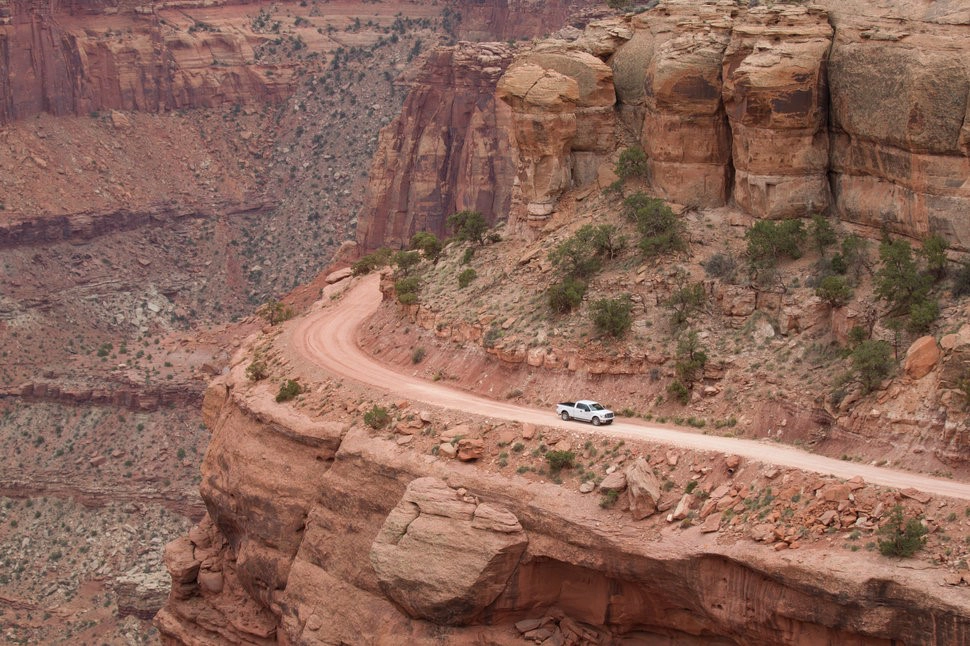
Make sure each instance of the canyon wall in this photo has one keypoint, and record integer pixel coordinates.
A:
(517, 19)
(446, 152)
(73, 60)
(784, 111)
(321, 531)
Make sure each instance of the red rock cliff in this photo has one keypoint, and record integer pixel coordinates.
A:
(447, 151)
(54, 61)
(784, 111)
(322, 532)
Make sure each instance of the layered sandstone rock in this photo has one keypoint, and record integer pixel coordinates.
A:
(776, 98)
(77, 66)
(446, 152)
(901, 141)
(367, 547)
(685, 132)
(770, 108)
(444, 558)
(562, 114)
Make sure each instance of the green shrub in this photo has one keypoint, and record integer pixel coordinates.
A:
(611, 316)
(275, 312)
(372, 261)
(872, 361)
(901, 537)
(428, 244)
(769, 241)
(834, 290)
(257, 370)
(922, 315)
(405, 261)
(492, 336)
(377, 417)
(684, 302)
(633, 161)
(565, 296)
(691, 358)
(607, 240)
(679, 391)
(721, 265)
(854, 256)
(407, 290)
(466, 277)
(823, 233)
(559, 460)
(418, 354)
(660, 230)
(288, 390)
(898, 279)
(576, 256)
(609, 498)
(961, 281)
(469, 226)
(468, 255)
(934, 255)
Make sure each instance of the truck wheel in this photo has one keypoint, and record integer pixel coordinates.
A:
(596, 421)
(565, 416)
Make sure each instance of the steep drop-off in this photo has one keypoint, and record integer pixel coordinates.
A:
(321, 530)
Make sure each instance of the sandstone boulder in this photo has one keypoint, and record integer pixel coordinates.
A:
(444, 559)
(643, 489)
(921, 357)
(615, 481)
(470, 449)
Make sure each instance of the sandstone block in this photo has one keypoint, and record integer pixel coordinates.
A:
(446, 564)
(921, 357)
(643, 489)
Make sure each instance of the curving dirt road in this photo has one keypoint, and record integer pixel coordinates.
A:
(328, 338)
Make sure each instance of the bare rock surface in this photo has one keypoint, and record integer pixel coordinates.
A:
(443, 559)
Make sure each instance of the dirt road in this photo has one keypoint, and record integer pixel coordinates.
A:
(328, 338)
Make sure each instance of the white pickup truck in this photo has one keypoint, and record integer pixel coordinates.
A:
(585, 410)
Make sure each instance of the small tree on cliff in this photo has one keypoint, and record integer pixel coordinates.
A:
(469, 226)
(902, 537)
(632, 164)
(428, 244)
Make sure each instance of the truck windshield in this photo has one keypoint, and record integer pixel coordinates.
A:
(595, 407)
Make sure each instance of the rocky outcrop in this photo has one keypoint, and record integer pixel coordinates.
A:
(77, 66)
(134, 397)
(776, 99)
(446, 152)
(444, 557)
(901, 140)
(562, 116)
(767, 107)
(684, 131)
(318, 533)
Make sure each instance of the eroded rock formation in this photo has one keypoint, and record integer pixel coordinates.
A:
(320, 533)
(784, 110)
(53, 62)
(444, 557)
(446, 152)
